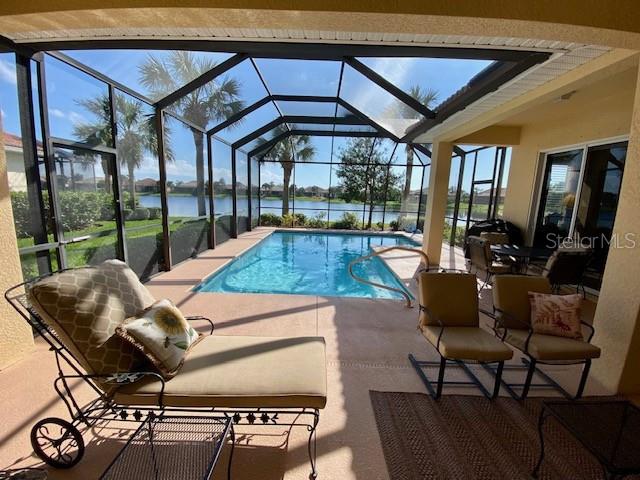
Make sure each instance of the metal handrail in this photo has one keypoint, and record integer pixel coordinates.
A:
(376, 253)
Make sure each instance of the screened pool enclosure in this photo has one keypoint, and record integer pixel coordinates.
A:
(153, 155)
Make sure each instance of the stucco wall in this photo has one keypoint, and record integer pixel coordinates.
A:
(16, 339)
(617, 318)
(596, 112)
(599, 111)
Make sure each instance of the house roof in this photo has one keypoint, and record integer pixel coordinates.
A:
(147, 182)
(14, 141)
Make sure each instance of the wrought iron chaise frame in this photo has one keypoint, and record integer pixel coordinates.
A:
(105, 408)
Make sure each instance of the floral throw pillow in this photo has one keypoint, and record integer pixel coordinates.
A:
(162, 333)
(557, 315)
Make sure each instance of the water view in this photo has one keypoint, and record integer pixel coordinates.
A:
(187, 206)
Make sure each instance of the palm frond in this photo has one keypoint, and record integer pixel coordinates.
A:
(157, 77)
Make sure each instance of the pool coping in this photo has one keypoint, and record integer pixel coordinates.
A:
(271, 230)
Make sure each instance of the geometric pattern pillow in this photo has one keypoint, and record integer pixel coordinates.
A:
(163, 334)
(84, 306)
(557, 315)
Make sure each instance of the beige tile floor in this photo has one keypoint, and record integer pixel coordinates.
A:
(367, 346)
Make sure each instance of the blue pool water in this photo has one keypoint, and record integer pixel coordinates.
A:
(308, 264)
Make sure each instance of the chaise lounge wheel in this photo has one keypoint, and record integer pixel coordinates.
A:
(57, 442)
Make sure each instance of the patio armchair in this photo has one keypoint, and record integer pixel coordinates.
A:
(252, 379)
(481, 258)
(449, 320)
(512, 314)
(567, 266)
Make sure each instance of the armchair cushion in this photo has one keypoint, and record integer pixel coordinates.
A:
(451, 298)
(550, 348)
(557, 315)
(162, 334)
(84, 306)
(468, 343)
(511, 298)
(495, 238)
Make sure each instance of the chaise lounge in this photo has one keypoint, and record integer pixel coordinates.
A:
(258, 380)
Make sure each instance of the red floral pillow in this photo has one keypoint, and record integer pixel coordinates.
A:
(557, 315)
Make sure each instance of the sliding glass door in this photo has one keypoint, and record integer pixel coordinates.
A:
(598, 203)
(579, 199)
(557, 201)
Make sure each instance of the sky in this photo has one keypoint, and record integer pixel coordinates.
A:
(66, 87)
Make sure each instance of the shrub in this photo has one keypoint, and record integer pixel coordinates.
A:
(79, 210)
(394, 225)
(294, 220)
(288, 220)
(21, 214)
(139, 214)
(270, 220)
(154, 213)
(299, 219)
(348, 221)
(317, 221)
(107, 206)
(459, 234)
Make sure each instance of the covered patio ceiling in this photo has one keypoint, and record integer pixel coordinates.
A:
(287, 89)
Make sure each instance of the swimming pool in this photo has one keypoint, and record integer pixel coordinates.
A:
(309, 263)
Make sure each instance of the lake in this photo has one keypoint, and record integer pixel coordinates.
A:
(186, 206)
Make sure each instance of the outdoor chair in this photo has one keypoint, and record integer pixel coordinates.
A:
(449, 320)
(567, 266)
(481, 258)
(252, 379)
(512, 315)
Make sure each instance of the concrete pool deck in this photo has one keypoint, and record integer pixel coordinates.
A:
(367, 345)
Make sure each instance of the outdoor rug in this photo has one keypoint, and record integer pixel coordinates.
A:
(472, 438)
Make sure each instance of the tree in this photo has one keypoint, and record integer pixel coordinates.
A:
(215, 101)
(364, 175)
(286, 152)
(136, 135)
(401, 110)
(97, 133)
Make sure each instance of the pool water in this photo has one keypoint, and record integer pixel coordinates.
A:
(308, 263)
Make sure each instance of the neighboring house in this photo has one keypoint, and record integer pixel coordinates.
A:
(15, 161)
(147, 185)
(272, 191)
(186, 187)
(483, 197)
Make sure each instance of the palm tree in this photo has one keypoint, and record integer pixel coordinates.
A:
(98, 133)
(426, 97)
(215, 101)
(292, 149)
(135, 135)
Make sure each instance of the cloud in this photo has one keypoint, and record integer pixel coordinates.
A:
(395, 70)
(77, 118)
(7, 72)
(57, 113)
(267, 176)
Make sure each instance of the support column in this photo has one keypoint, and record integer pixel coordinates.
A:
(16, 339)
(617, 318)
(437, 200)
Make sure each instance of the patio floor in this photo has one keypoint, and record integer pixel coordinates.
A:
(367, 346)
